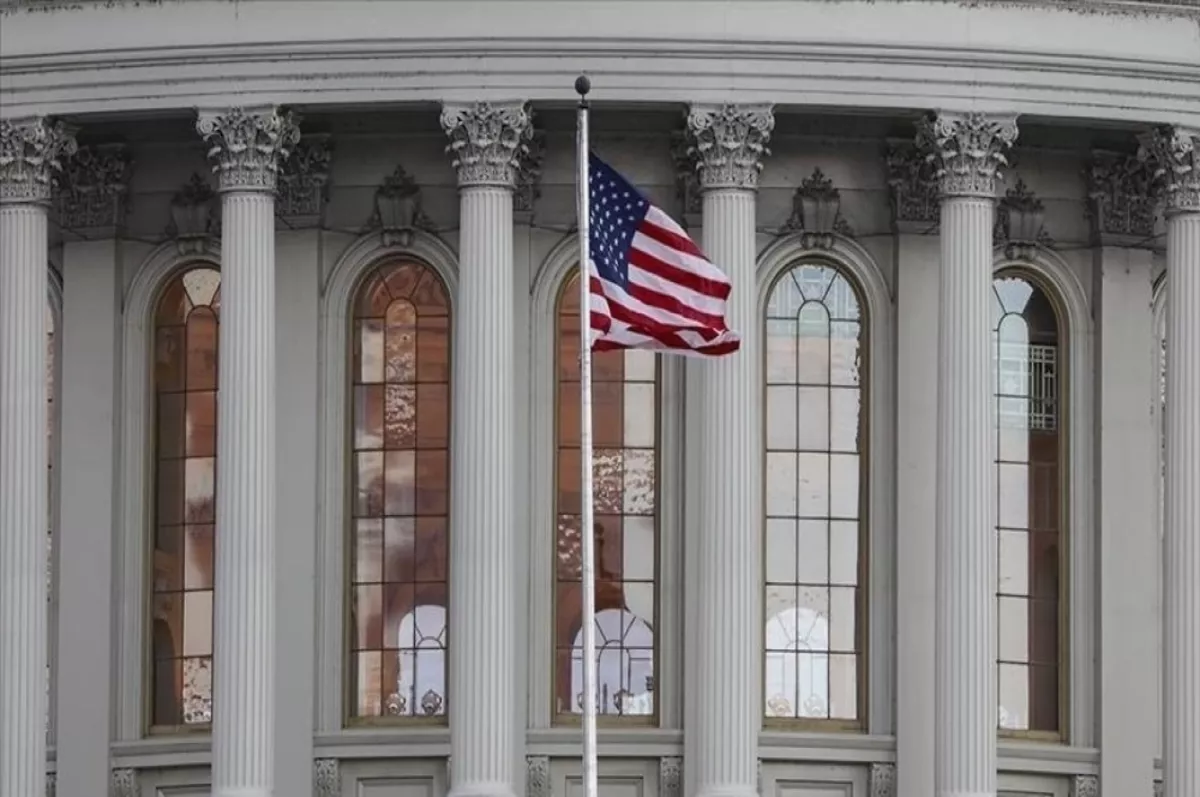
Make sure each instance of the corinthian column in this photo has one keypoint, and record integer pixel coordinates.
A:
(969, 151)
(721, 726)
(246, 149)
(487, 143)
(29, 157)
(1176, 156)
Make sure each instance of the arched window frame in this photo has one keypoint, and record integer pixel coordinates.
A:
(877, 713)
(1067, 295)
(132, 674)
(361, 257)
(55, 306)
(548, 283)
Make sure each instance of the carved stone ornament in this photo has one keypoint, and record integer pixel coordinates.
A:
(687, 180)
(912, 180)
(123, 783)
(729, 143)
(247, 147)
(670, 777)
(94, 190)
(398, 209)
(192, 220)
(529, 174)
(1159, 789)
(488, 141)
(31, 154)
(883, 780)
(537, 777)
(51, 784)
(326, 780)
(1020, 223)
(1085, 786)
(816, 213)
(967, 150)
(1174, 155)
(303, 182)
(1121, 198)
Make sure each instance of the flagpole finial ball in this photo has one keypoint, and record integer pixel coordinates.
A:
(582, 85)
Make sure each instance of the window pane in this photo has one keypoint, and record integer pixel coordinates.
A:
(185, 356)
(1029, 507)
(400, 450)
(815, 479)
(625, 488)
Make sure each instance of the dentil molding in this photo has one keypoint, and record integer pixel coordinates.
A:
(968, 150)
(247, 146)
(31, 153)
(1174, 154)
(489, 142)
(729, 143)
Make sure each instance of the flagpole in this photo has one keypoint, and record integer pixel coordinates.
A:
(587, 520)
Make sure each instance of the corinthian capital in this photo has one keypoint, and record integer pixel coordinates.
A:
(729, 143)
(968, 150)
(30, 157)
(489, 142)
(246, 146)
(1174, 155)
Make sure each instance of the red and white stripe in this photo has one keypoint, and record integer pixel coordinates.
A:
(675, 300)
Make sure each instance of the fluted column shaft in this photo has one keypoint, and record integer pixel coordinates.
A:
(247, 148)
(722, 722)
(31, 149)
(969, 150)
(1175, 153)
(485, 147)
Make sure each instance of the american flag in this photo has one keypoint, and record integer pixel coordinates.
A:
(650, 286)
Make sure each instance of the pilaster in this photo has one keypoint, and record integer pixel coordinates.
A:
(721, 731)
(30, 156)
(1175, 155)
(968, 151)
(488, 144)
(246, 148)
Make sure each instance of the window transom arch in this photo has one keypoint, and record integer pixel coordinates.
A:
(816, 537)
(626, 435)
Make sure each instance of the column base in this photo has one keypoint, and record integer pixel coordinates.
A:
(482, 790)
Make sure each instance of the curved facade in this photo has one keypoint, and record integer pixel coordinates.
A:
(310, 402)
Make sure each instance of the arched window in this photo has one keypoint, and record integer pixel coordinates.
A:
(625, 487)
(1030, 506)
(400, 445)
(815, 434)
(185, 460)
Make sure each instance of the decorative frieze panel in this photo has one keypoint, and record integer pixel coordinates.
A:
(1020, 223)
(303, 184)
(1121, 199)
(816, 213)
(246, 147)
(1174, 157)
(913, 184)
(729, 143)
(1085, 786)
(670, 777)
(537, 777)
(968, 150)
(93, 191)
(489, 142)
(883, 780)
(193, 219)
(398, 209)
(326, 778)
(31, 155)
(123, 783)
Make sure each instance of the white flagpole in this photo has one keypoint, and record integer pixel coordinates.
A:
(587, 521)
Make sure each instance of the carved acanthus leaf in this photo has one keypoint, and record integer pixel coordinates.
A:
(1085, 786)
(529, 174)
(94, 188)
(883, 780)
(488, 141)
(670, 777)
(1174, 156)
(326, 780)
(1020, 223)
(247, 147)
(729, 143)
(687, 180)
(967, 150)
(124, 783)
(537, 777)
(192, 215)
(31, 154)
(816, 212)
(912, 178)
(303, 180)
(1121, 196)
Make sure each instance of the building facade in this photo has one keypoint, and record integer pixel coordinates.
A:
(288, 312)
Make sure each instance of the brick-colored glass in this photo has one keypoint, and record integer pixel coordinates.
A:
(815, 472)
(185, 464)
(1029, 508)
(400, 455)
(625, 486)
